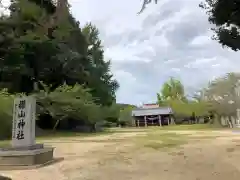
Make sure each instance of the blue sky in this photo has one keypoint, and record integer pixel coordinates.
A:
(172, 38)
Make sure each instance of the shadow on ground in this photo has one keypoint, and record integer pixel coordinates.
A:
(5, 178)
(11, 168)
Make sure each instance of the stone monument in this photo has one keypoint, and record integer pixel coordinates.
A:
(24, 151)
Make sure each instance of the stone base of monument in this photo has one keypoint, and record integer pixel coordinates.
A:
(20, 157)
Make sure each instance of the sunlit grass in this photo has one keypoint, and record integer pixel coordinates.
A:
(5, 143)
(165, 137)
(59, 134)
(161, 140)
(186, 127)
(54, 135)
(156, 137)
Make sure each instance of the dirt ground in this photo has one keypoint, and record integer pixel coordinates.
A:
(114, 157)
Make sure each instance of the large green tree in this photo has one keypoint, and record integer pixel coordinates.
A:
(34, 48)
(225, 15)
(70, 102)
(223, 94)
(172, 94)
(39, 44)
(173, 89)
(101, 81)
(42, 45)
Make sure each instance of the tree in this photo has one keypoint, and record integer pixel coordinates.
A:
(125, 116)
(145, 3)
(186, 109)
(172, 89)
(222, 94)
(70, 102)
(43, 46)
(37, 45)
(101, 81)
(225, 14)
(172, 94)
(6, 114)
(199, 95)
(32, 51)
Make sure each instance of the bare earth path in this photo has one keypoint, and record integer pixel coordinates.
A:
(113, 157)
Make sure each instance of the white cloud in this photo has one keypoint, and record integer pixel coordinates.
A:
(172, 38)
(203, 62)
(216, 65)
(176, 69)
(201, 40)
(120, 74)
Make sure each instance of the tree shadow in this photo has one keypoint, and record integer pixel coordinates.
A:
(5, 178)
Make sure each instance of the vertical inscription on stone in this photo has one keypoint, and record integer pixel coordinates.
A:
(22, 133)
(21, 119)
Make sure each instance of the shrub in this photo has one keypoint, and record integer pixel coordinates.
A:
(6, 108)
(70, 102)
(125, 117)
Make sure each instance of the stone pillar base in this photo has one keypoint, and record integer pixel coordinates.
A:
(25, 157)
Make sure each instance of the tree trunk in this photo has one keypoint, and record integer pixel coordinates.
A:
(35, 86)
(57, 122)
(94, 127)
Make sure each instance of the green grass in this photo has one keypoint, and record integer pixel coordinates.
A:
(128, 130)
(164, 137)
(5, 143)
(188, 127)
(157, 137)
(62, 134)
(170, 127)
(54, 135)
(162, 140)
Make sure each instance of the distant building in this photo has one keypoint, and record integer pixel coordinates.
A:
(150, 106)
(152, 115)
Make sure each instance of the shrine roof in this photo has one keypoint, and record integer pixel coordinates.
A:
(152, 111)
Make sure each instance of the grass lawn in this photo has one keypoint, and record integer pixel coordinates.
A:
(5, 143)
(52, 135)
(57, 134)
(159, 140)
(156, 137)
(167, 136)
(189, 127)
(170, 127)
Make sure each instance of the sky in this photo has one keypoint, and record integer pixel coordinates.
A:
(172, 38)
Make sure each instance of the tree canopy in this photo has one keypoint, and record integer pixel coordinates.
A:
(225, 15)
(172, 94)
(43, 51)
(36, 46)
(172, 89)
(223, 94)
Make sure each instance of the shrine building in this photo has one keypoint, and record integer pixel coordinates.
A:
(152, 115)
